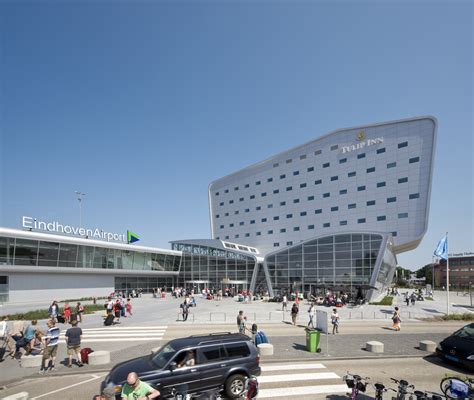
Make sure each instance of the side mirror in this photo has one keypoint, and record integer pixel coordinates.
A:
(173, 366)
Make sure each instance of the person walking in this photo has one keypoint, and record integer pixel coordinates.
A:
(335, 321)
(285, 303)
(51, 348)
(294, 312)
(135, 389)
(241, 322)
(413, 299)
(128, 307)
(396, 319)
(73, 341)
(185, 308)
(311, 315)
(407, 299)
(53, 311)
(67, 313)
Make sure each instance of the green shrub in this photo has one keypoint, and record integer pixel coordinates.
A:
(386, 301)
(429, 298)
(43, 314)
(459, 317)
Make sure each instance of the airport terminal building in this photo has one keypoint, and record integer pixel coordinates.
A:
(330, 214)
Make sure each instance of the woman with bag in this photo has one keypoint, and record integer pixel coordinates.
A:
(396, 319)
(294, 312)
(335, 321)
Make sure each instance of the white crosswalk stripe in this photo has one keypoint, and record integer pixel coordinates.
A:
(120, 334)
(274, 384)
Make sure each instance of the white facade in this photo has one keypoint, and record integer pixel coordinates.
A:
(367, 178)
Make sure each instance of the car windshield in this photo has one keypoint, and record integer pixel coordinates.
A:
(161, 358)
(465, 332)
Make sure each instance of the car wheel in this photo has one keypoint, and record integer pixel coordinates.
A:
(234, 386)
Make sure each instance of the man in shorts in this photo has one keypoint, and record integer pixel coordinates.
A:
(73, 340)
(51, 347)
(135, 389)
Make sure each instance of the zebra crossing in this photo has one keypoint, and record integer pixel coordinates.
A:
(301, 380)
(119, 334)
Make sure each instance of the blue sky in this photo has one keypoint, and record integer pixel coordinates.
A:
(142, 104)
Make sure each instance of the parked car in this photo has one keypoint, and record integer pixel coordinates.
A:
(222, 360)
(459, 347)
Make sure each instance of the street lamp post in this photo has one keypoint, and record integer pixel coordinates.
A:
(79, 199)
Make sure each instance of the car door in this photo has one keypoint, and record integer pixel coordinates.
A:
(184, 379)
(212, 366)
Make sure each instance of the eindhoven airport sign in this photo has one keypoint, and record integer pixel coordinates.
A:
(55, 227)
(360, 136)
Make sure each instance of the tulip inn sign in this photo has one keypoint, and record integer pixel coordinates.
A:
(96, 233)
(360, 136)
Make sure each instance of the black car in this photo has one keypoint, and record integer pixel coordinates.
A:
(221, 360)
(459, 347)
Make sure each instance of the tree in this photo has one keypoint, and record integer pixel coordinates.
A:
(426, 272)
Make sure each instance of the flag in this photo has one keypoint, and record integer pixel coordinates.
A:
(442, 249)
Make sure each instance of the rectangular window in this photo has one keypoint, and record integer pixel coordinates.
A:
(269, 205)
(289, 243)
(283, 203)
(381, 218)
(252, 222)
(326, 165)
(226, 214)
(258, 234)
(391, 165)
(403, 180)
(302, 185)
(336, 208)
(247, 185)
(303, 213)
(380, 184)
(264, 220)
(360, 188)
(282, 176)
(352, 205)
(289, 188)
(282, 230)
(227, 237)
(231, 225)
(361, 155)
(326, 225)
(371, 203)
(241, 223)
(270, 232)
(414, 160)
(217, 215)
(326, 195)
(231, 201)
(247, 210)
(247, 235)
(334, 147)
(276, 244)
(334, 178)
(275, 165)
(361, 221)
(403, 215)
(318, 182)
(264, 194)
(394, 233)
(276, 218)
(371, 169)
(310, 198)
(258, 208)
(342, 223)
(241, 199)
(310, 169)
(270, 180)
(221, 204)
(343, 191)
(252, 197)
(318, 211)
(296, 228)
(342, 160)
(289, 161)
(303, 157)
(217, 193)
(226, 191)
(296, 201)
(403, 144)
(414, 196)
(391, 200)
(221, 227)
(236, 212)
(310, 226)
(258, 183)
(317, 152)
(236, 188)
(380, 151)
(289, 216)
(296, 173)
(276, 191)
(351, 174)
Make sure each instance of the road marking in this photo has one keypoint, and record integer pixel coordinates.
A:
(291, 392)
(134, 339)
(297, 377)
(94, 377)
(290, 367)
(111, 334)
(127, 328)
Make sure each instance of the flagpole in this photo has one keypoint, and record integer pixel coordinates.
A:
(447, 274)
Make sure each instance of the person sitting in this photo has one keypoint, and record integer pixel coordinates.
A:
(188, 360)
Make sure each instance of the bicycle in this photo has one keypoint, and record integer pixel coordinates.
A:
(457, 388)
(356, 383)
(420, 395)
(402, 390)
(251, 389)
(380, 389)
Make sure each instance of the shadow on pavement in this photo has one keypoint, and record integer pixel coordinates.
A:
(341, 397)
(432, 310)
(298, 346)
(444, 363)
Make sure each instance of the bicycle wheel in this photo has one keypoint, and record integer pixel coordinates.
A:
(446, 386)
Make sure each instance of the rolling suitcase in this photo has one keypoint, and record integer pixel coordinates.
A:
(61, 319)
(109, 320)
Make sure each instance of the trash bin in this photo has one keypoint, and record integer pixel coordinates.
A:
(312, 340)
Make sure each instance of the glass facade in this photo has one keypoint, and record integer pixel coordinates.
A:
(345, 262)
(26, 252)
(205, 266)
(145, 283)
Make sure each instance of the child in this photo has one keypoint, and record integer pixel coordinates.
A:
(128, 307)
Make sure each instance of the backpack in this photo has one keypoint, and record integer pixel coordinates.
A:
(85, 354)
